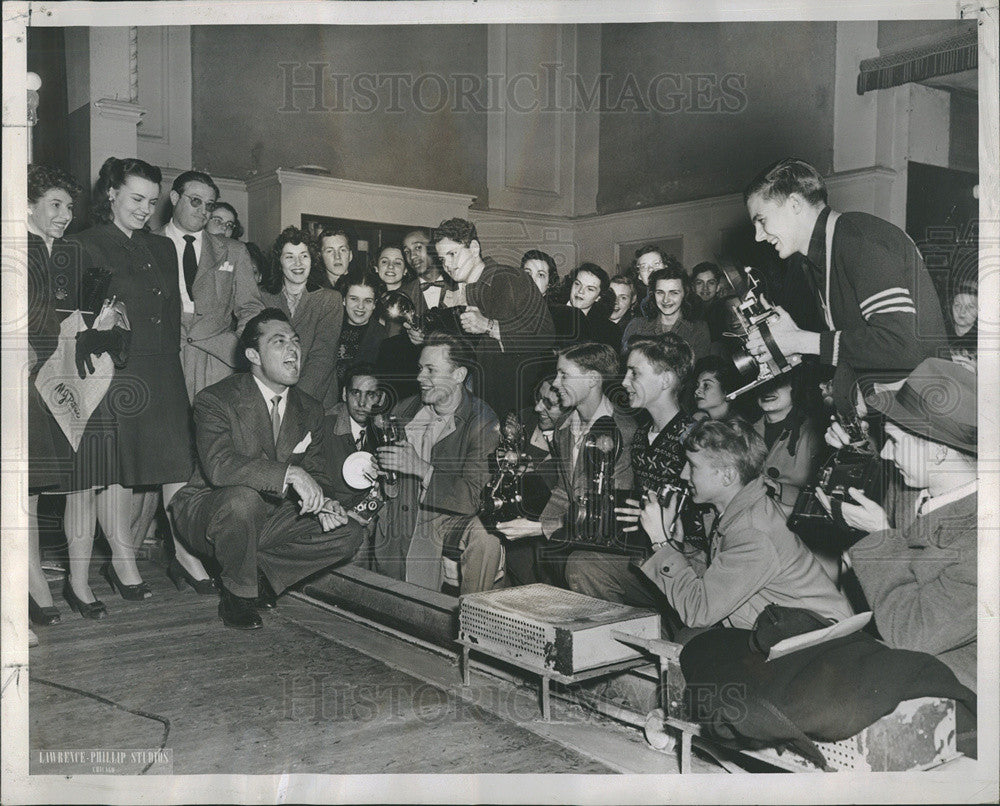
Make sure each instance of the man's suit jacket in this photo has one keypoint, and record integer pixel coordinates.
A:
(571, 478)
(412, 289)
(461, 471)
(338, 444)
(920, 580)
(225, 297)
(317, 321)
(235, 443)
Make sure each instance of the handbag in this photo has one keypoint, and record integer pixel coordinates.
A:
(71, 399)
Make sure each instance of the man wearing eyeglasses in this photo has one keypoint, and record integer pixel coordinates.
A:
(216, 283)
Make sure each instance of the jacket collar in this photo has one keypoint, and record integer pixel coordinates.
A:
(747, 497)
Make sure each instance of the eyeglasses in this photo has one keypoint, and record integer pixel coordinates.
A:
(197, 202)
(229, 226)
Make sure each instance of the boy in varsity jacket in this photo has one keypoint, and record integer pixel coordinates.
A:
(872, 288)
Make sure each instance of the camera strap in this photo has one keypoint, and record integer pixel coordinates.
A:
(772, 346)
(831, 223)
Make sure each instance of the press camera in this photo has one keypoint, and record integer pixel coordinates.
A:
(750, 316)
(856, 465)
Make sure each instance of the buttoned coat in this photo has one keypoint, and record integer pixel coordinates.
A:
(236, 447)
(140, 434)
(755, 561)
(920, 580)
(235, 505)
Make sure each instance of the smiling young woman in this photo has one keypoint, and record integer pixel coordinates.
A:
(293, 283)
(668, 310)
(138, 436)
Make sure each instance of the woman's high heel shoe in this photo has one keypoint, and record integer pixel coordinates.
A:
(42, 616)
(93, 610)
(179, 575)
(134, 593)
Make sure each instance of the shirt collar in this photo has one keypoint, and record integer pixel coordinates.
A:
(175, 233)
(355, 428)
(817, 243)
(269, 394)
(927, 504)
(603, 410)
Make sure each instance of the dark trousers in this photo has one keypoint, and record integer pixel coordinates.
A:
(613, 578)
(243, 530)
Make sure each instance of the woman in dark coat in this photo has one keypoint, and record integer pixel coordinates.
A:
(589, 301)
(139, 435)
(293, 285)
(52, 293)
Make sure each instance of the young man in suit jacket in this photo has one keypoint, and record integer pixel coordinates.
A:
(257, 501)
(218, 292)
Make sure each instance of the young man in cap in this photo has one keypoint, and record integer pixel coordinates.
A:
(920, 576)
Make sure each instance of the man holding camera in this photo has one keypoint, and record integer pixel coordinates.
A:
(920, 576)
(753, 559)
(878, 301)
(442, 468)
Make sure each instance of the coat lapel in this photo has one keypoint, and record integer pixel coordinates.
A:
(204, 280)
(255, 413)
(291, 432)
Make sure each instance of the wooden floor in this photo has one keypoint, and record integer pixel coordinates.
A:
(311, 692)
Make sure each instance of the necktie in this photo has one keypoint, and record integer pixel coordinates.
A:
(432, 284)
(190, 264)
(275, 418)
(361, 439)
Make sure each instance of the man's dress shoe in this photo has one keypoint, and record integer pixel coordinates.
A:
(238, 612)
(266, 599)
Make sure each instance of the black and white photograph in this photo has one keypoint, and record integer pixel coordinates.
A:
(496, 402)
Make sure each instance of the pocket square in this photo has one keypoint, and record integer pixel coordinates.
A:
(227, 266)
(305, 443)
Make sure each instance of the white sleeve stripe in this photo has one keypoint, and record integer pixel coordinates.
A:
(893, 304)
(836, 347)
(898, 309)
(897, 299)
(883, 293)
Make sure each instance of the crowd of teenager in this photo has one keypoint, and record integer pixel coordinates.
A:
(243, 382)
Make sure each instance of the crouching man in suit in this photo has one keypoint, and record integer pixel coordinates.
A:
(256, 501)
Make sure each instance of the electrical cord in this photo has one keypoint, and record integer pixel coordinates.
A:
(135, 712)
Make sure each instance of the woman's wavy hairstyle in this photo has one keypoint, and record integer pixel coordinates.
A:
(273, 278)
(605, 302)
(43, 178)
(672, 272)
(114, 173)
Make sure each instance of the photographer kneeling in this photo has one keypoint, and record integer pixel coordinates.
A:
(920, 577)
(753, 559)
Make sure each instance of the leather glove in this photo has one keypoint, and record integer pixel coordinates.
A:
(114, 342)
